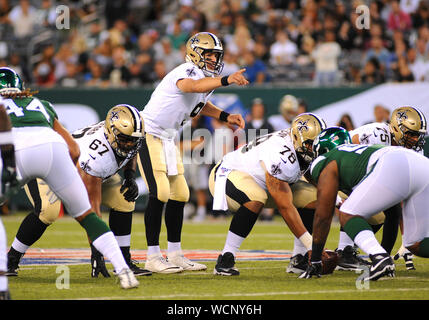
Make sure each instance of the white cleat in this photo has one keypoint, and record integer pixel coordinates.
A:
(157, 263)
(127, 279)
(177, 258)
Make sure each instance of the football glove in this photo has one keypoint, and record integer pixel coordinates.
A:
(97, 263)
(313, 269)
(129, 184)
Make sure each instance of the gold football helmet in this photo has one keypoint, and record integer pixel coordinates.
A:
(288, 107)
(408, 127)
(124, 129)
(305, 128)
(196, 48)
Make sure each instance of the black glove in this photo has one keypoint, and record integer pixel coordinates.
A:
(97, 263)
(313, 269)
(130, 185)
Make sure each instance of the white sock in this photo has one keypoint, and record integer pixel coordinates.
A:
(344, 241)
(3, 283)
(153, 250)
(233, 243)
(109, 248)
(367, 242)
(201, 211)
(123, 241)
(174, 246)
(19, 246)
(298, 247)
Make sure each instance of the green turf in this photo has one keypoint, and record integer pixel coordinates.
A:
(259, 280)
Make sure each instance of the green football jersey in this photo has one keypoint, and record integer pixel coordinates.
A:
(352, 161)
(30, 112)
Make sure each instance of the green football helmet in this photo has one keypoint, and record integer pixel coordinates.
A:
(330, 138)
(10, 81)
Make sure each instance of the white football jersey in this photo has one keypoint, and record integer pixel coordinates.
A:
(373, 133)
(275, 150)
(97, 157)
(169, 108)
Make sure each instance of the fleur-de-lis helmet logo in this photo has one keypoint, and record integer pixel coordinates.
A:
(402, 115)
(302, 125)
(115, 116)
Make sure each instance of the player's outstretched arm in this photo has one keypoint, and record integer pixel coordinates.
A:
(208, 84)
(210, 110)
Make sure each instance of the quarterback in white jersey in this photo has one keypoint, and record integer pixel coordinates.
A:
(263, 174)
(182, 94)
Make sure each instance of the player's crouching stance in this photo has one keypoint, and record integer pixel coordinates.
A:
(261, 174)
(375, 178)
(43, 149)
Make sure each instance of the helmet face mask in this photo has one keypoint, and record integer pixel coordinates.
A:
(10, 81)
(408, 127)
(124, 129)
(197, 49)
(305, 128)
(330, 138)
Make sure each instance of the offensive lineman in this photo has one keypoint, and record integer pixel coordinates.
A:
(182, 94)
(44, 149)
(264, 173)
(365, 174)
(105, 148)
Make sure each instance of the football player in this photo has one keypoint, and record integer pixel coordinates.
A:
(288, 109)
(105, 148)
(264, 173)
(44, 149)
(407, 128)
(365, 174)
(182, 94)
(9, 185)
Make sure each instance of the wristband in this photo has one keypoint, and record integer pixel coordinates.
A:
(6, 137)
(223, 116)
(224, 81)
(129, 174)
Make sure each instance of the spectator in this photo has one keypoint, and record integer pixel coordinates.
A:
(372, 72)
(23, 18)
(229, 64)
(346, 122)
(95, 78)
(159, 72)
(177, 35)
(379, 52)
(46, 15)
(257, 124)
(71, 78)
(326, 56)
(398, 19)
(118, 73)
(419, 67)
(241, 41)
(164, 51)
(421, 16)
(256, 70)
(402, 71)
(44, 73)
(283, 51)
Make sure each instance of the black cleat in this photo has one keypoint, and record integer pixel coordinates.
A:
(382, 265)
(13, 259)
(349, 260)
(225, 265)
(98, 264)
(408, 258)
(298, 264)
(5, 295)
(137, 270)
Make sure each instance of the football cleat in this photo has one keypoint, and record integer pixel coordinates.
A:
(127, 279)
(177, 258)
(137, 270)
(158, 264)
(225, 265)
(382, 265)
(13, 259)
(408, 257)
(349, 260)
(298, 264)
(5, 295)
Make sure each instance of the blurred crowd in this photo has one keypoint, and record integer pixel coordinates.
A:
(119, 43)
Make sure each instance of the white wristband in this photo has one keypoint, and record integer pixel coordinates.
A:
(6, 137)
(307, 240)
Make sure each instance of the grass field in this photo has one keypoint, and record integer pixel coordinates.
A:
(259, 280)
